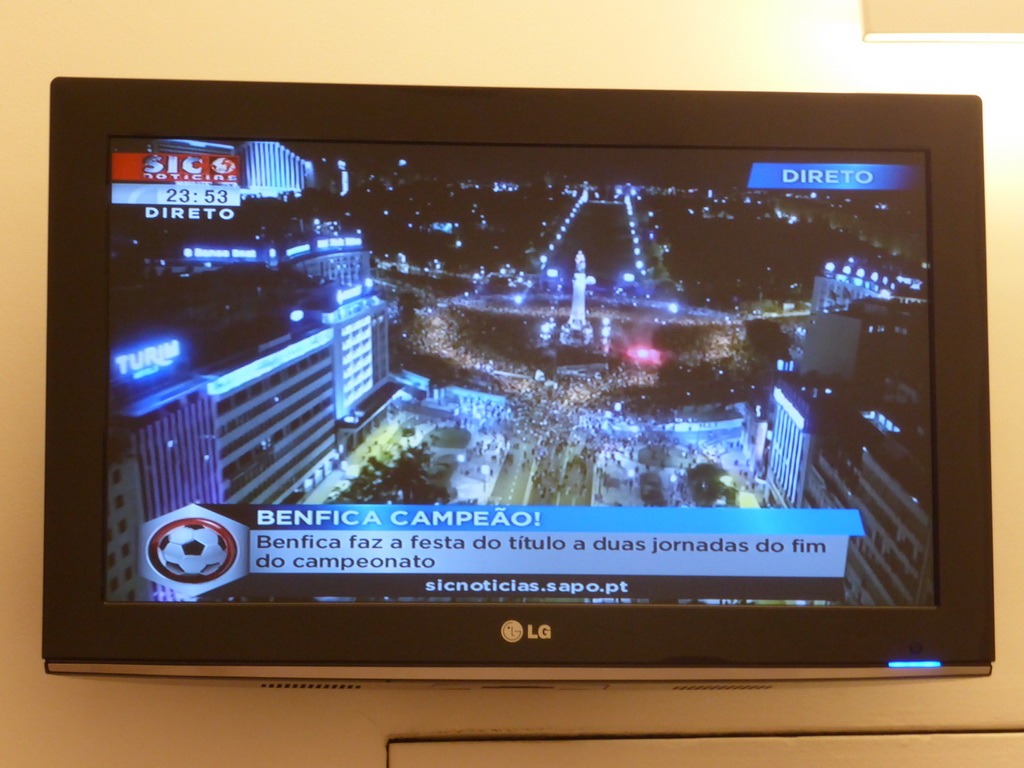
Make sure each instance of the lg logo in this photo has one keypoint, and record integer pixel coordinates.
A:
(512, 632)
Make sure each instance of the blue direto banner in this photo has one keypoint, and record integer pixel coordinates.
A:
(825, 176)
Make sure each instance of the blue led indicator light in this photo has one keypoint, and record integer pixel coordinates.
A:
(914, 664)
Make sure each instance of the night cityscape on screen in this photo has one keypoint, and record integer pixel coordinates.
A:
(585, 343)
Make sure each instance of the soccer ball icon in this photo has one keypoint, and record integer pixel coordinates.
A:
(192, 550)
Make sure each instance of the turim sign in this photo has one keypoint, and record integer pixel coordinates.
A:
(148, 360)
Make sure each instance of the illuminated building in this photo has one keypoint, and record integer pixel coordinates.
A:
(864, 339)
(840, 284)
(265, 424)
(269, 169)
(247, 433)
(870, 461)
(255, 431)
(360, 350)
(874, 472)
(360, 323)
(868, 338)
(342, 260)
(170, 434)
(123, 502)
(791, 443)
(273, 420)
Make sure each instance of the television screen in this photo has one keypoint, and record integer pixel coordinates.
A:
(403, 354)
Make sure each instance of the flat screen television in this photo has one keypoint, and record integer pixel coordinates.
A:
(388, 383)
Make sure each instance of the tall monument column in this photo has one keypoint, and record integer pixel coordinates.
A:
(577, 330)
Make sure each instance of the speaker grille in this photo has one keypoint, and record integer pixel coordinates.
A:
(314, 686)
(723, 687)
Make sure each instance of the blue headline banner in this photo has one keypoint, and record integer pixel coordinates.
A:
(536, 519)
(825, 176)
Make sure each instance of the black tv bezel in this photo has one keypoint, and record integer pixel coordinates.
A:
(80, 628)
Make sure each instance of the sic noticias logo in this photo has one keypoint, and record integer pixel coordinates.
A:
(512, 631)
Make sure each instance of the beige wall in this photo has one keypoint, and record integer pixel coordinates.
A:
(685, 44)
